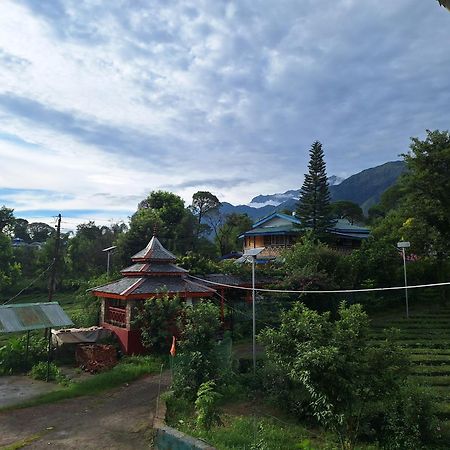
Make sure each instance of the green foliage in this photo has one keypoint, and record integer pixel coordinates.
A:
(12, 354)
(199, 327)
(206, 405)
(342, 371)
(198, 264)
(202, 203)
(344, 209)
(197, 357)
(428, 185)
(157, 322)
(314, 204)
(85, 257)
(7, 219)
(164, 212)
(39, 372)
(233, 226)
(312, 264)
(9, 270)
(89, 313)
(407, 420)
(247, 433)
(21, 230)
(40, 231)
(377, 260)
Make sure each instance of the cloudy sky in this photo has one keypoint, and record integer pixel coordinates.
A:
(103, 102)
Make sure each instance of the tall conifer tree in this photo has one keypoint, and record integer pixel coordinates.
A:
(314, 204)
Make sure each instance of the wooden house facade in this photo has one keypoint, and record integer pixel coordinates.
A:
(278, 232)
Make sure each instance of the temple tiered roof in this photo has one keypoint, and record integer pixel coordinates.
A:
(152, 274)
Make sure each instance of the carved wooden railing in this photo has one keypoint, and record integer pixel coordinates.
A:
(116, 316)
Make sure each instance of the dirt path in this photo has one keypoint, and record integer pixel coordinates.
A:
(116, 419)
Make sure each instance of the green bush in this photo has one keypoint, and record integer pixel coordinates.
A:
(156, 319)
(407, 420)
(199, 357)
(12, 355)
(39, 372)
(335, 362)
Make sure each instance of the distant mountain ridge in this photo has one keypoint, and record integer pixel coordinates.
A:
(364, 188)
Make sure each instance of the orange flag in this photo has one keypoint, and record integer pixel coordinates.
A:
(173, 350)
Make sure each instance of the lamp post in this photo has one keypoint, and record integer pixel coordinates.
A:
(250, 255)
(402, 245)
(108, 251)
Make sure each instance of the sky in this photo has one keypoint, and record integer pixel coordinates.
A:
(103, 102)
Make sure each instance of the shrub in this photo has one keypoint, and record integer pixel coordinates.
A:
(206, 405)
(156, 320)
(199, 357)
(407, 420)
(342, 371)
(39, 372)
(12, 354)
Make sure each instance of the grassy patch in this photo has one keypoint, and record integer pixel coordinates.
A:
(22, 443)
(247, 433)
(127, 370)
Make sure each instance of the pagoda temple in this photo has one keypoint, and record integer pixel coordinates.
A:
(153, 274)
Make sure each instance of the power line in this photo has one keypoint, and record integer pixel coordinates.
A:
(336, 291)
(31, 284)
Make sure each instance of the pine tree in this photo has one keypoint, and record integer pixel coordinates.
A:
(314, 204)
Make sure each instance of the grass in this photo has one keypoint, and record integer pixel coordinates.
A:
(244, 432)
(22, 443)
(129, 369)
(247, 433)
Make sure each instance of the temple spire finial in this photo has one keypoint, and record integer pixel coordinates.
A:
(155, 229)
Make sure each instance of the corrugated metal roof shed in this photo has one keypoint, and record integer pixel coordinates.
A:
(32, 316)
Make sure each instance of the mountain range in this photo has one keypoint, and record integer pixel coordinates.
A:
(364, 188)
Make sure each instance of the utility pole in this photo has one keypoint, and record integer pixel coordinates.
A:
(51, 291)
(51, 287)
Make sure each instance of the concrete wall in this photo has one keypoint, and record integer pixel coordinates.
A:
(167, 438)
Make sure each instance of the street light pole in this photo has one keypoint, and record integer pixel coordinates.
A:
(108, 251)
(406, 283)
(404, 245)
(252, 254)
(254, 314)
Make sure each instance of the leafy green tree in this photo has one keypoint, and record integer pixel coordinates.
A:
(344, 209)
(336, 364)
(40, 232)
(164, 213)
(21, 230)
(427, 184)
(7, 219)
(227, 235)
(157, 322)
(314, 204)
(202, 203)
(85, 257)
(9, 270)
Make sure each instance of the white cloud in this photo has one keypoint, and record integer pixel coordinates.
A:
(122, 98)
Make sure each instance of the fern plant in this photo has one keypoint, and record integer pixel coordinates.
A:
(206, 405)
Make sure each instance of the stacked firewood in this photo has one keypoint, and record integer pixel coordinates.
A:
(96, 357)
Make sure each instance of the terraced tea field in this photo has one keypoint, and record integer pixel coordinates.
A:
(426, 338)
